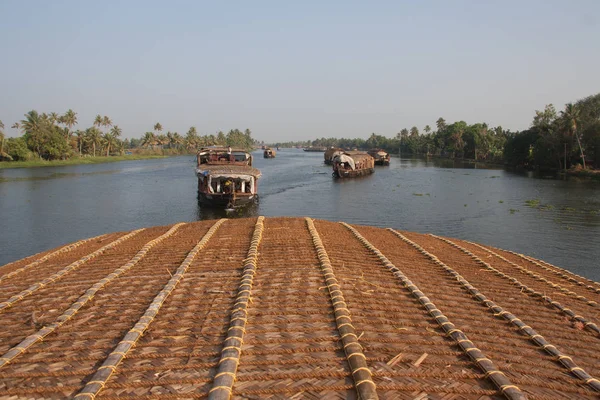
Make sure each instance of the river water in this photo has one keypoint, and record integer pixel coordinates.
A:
(41, 208)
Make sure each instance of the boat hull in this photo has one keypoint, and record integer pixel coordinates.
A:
(343, 174)
(222, 200)
(382, 162)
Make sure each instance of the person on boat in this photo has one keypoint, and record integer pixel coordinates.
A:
(227, 186)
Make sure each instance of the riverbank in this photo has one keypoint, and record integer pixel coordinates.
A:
(77, 161)
(585, 173)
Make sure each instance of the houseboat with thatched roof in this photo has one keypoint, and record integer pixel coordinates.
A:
(350, 164)
(330, 153)
(226, 177)
(269, 153)
(315, 149)
(381, 157)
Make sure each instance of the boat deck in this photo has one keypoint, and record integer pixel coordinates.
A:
(294, 308)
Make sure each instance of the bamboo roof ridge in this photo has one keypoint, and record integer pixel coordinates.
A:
(227, 169)
(294, 308)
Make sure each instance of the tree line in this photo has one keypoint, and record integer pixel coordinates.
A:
(50, 136)
(555, 140)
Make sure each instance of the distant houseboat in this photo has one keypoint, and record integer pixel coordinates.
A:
(269, 153)
(380, 156)
(315, 149)
(226, 177)
(330, 153)
(350, 164)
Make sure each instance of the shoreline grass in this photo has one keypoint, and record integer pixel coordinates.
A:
(78, 161)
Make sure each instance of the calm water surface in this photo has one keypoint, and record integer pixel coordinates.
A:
(41, 208)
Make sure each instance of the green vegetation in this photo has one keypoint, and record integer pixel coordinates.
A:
(532, 203)
(49, 139)
(555, 141)
(565, 140)
(76, 161)
(500, 201)
(512, 210)
(558, 140)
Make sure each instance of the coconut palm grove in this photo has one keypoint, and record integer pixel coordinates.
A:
(556, 140)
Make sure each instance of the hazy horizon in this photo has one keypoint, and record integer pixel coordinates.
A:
(296, 71)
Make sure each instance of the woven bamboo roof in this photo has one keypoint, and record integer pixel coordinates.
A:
(358, 155)
(230, 169)
(294, 308)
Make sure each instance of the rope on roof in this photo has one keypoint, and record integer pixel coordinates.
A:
(232, 346)
(104, 372)
(69, 268)
(538, 339)
(498, 378)
(524, 288)
(64, 249)
(563, 273)
(83, 299)
(361, 373)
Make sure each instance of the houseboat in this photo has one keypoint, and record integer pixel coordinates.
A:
(381, 157)
(315, 149)
(226, 177)
(269, 153)
(351, 164)
(330, 153)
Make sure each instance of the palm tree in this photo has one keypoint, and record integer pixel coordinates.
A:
(427, 129)
(120, 146)
(177, 139)
(116, 131)
(162, 140)
(32, 126)
(441, 124)
(414, 131)
(170, 139)
(158, 127)
(32, 121)
(108, 141)
(80, 139)
(54, 117)
(94, 137)
(70, 120)
(106, 122)
(571, 116)
(149, 139)
(98, 121)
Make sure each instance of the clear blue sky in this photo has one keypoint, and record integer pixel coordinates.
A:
(296, 70)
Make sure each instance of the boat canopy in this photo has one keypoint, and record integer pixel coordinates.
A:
(232, 171)
(344, 158)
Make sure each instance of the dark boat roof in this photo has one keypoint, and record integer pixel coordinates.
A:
(294, 308)
(225, 169)
(221, 148)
